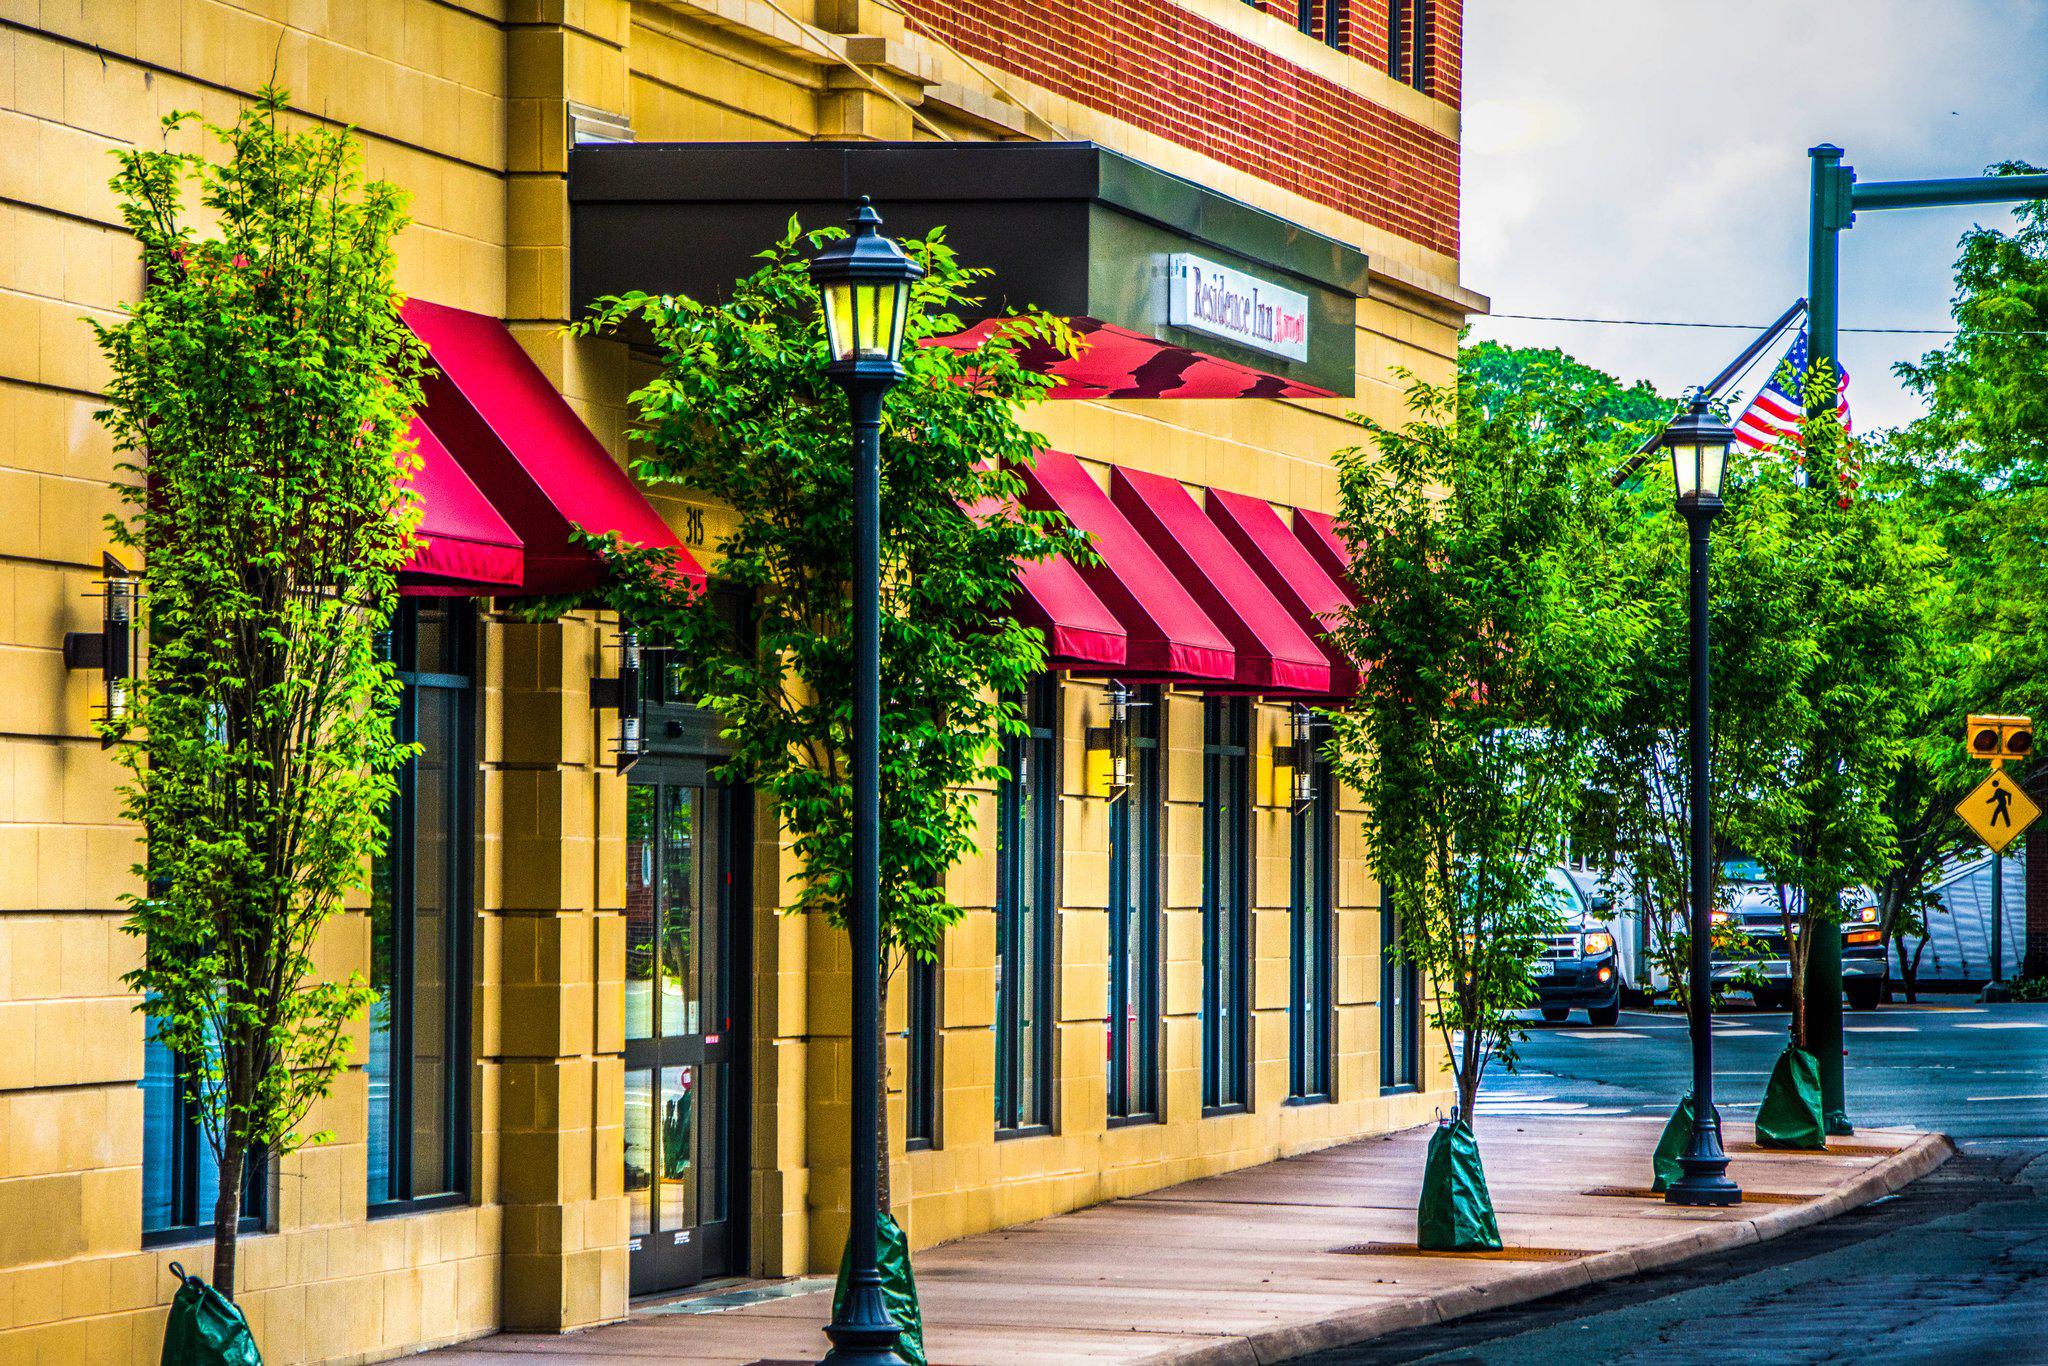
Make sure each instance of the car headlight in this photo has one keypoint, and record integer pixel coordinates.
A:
(1721, 917)
(1596, 942)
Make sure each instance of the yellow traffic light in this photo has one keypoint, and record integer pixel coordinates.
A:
(1999, 738)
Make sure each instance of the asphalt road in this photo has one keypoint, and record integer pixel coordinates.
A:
(1953, 1270)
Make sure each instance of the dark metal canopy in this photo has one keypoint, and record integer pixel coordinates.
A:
(1070, 227)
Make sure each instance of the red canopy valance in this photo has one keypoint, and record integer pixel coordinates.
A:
(525, 448)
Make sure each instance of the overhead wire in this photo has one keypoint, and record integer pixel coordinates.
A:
(1752, 327)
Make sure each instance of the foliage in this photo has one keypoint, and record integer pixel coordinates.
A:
(1863, 585)
(1934, 772)
(1492, 629)
(743, 411)
(1984, 441)
(1609, 411)
(262, 386)
(1979, 459)
(1761, 651)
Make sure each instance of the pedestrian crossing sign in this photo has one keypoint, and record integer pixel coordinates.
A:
(1997, 810)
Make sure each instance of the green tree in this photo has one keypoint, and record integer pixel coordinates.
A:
(1920, 494)
(1762, 651)
(743, 411)
(262, 388)
(1860, 581)
(1611, 412)
(1979, 459)
(1492, 629)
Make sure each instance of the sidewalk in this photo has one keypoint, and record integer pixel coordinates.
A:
(1247, 1269)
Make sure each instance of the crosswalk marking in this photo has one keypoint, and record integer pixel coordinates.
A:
(1600, 1034)
(1880, 1029)
(2003, 1024)
(1972, 1100)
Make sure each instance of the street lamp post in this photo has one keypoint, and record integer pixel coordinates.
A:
(865, 282)
(1698, 442)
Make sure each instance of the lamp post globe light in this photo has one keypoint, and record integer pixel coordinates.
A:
(1698, 443)
(865, 281)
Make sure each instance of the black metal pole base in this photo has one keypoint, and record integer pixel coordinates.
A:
(1836, 1122)
(1705, 1179)
(864, 1334)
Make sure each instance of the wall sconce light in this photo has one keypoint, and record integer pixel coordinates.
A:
(1298, 756)
(1109, 747)
(623, 695)
(111, 649)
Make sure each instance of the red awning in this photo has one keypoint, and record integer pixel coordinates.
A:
(1116, 362)
(1169, 634)
(1079, 631)
(1272, 652)
(461, 545)
(528, 451)
(1317, 532)
(1312, 598)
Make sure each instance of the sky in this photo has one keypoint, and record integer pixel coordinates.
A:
(1647, 159)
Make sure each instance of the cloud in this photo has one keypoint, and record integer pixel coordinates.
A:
(1647, 159)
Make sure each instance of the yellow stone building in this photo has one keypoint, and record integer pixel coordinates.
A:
(604, 1063)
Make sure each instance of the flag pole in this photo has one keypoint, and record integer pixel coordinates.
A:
(1712, 387)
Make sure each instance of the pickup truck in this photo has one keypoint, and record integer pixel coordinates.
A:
(1755, 907)
(1582, 967)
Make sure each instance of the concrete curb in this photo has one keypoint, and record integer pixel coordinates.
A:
(1288, 1341)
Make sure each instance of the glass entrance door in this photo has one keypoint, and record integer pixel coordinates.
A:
(681, 1044)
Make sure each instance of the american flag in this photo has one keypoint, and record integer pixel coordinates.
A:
(1779, 408)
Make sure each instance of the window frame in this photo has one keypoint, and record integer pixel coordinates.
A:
(1408, 61)
(1312, 943)
(1135, 821)
(1400, 1038)
(921, 987)
(1033, 762)
(189, 1152)
(1226, 868)
(402, 852)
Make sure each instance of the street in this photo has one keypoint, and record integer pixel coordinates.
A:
(1955, 1265)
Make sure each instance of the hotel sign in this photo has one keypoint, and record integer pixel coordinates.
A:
(1203, 296)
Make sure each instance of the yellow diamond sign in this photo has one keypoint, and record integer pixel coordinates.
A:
(1997, 810)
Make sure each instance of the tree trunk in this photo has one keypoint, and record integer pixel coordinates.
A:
(882, 1200)
(227, 1214)
(1909, 967)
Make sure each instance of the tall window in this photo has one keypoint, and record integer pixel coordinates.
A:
(180, 1176)
(1408, 45)
(1321, 19)
(1134, 920)
(1312, 907)
(1226, 896)
(1027, 825)
(419, 923)
(1400, 1011)
(921, 1038)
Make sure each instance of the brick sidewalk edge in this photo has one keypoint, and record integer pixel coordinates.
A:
(1289, 1341)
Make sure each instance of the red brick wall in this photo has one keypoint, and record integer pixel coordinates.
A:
(1162, 69)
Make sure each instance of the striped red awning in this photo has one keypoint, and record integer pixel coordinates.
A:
(1116, 362)
(1272, 652)
(1317, 532)
(518, 439)
(1080, 632)
(461, 546)
(1169, 636)
(1312, 598)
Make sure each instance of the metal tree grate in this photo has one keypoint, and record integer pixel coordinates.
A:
(1749, 1197)
(1505, 1254)
(1832, 1150)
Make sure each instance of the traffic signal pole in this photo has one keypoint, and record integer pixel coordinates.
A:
(1836, 198)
